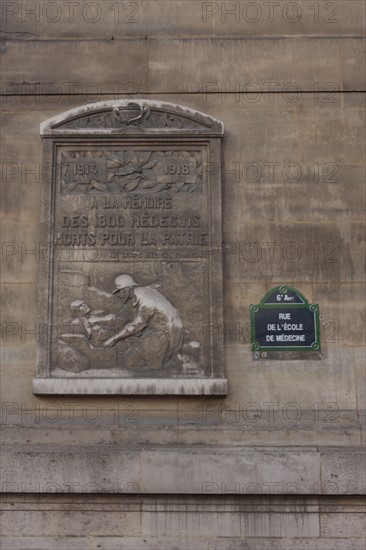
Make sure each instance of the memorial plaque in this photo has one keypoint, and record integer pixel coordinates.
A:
(131, 210)
(285, 321)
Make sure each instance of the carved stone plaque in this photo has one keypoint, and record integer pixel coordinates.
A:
(131, 280)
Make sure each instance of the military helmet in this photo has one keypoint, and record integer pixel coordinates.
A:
(123, 281)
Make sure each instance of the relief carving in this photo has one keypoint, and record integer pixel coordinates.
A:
(132, 171)
(155, 336)
(144, 113)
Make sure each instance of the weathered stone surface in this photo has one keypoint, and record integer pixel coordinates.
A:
(300, 247)
(330, 384)
(21, 252)
(188, 19)
(195, 470)
(75, 470)
(168, 543)
(17, 361)
(45, 543)
(161, 433)
(18, 313)
(342, 525)
(272, 524)
(33, 523)
(161, 72)
(204, 526)
(289, 435)
(351, 56)
(340, 197)
(359, 374)
(345, 469)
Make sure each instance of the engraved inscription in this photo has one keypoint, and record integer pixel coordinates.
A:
(133, 203)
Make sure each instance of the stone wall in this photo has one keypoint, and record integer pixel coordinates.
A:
(286, 80)
(195, 522)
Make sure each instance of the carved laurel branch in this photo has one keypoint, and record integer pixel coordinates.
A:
(130, 170)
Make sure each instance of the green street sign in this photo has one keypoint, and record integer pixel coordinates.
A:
(284, 321)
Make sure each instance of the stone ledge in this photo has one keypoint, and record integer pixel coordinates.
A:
(128, 386)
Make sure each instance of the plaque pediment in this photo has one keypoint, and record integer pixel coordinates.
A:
(132, 117)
